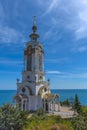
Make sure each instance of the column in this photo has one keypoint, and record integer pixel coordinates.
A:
(25, 105)
(52, 107)
(44, 105)
(22, 104)
(58, 104)
(49, 106)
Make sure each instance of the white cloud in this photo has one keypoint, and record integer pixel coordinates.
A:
(52, 4)
(83, 48)
(79, 19)
(10, 35)
(77, 75)
(1, 12)
(48, 6)
(79, 48)
(54, 72)
(71, 14)
(80, 32)
(10, 62)
(66, 75)
(59, 60)
(9, 72)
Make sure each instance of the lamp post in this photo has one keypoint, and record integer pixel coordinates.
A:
(71, 101)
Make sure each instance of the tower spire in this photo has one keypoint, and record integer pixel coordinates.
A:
(34, 20)
(34, 36)
(34, 28)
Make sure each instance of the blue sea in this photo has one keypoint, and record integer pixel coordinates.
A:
(6, 95)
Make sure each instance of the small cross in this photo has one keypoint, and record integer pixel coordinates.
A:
(34, 20)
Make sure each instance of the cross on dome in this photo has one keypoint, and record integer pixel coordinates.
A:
(34, 20)
(34, 36)
(34, 28)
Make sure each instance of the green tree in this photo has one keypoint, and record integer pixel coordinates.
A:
(77, 104)
(11, 118)
(40, 112)
(65, 102)
(80, 122)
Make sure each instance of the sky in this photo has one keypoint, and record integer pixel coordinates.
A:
(62, 26)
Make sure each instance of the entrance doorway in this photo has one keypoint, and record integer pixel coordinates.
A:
(46, 106)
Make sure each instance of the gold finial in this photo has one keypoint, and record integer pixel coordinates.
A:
(34, 20)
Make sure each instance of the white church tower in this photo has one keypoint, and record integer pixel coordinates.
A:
(33, 91)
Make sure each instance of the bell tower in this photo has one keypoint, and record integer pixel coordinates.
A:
(33, 91)
(33, 59)
(33, 53)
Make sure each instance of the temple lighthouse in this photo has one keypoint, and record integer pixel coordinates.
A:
(33, 91)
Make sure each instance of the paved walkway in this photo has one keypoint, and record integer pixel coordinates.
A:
(65, 112)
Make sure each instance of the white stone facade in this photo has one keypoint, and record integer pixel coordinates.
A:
(33, 91)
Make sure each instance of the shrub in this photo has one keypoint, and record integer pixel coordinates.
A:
(12, 118)
(80, 122)
(55, 127)
(35, 128)
(63, 127)
(77, 104)
(66, 102)
(40, 112)
(58, 119)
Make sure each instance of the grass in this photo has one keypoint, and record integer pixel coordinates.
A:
(48, 123)
(42, 121)
(84, 108)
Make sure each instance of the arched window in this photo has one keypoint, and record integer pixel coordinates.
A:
(40, 77)
(28, 77)
(40, 62)
(29, 62)
(45, 89)
(23, 90)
